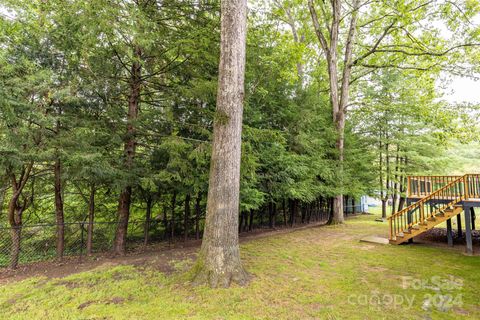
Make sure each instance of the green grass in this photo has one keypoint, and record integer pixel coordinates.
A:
(317, 273)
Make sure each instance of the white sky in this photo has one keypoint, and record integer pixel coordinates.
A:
(462, 90)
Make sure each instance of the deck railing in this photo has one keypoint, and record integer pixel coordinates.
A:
(421, 186)
(454, 191)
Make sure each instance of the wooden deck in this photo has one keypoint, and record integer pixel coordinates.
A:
(432, 200)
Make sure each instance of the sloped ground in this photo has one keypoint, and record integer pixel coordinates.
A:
(314, 273)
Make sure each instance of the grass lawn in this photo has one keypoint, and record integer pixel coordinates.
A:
(316, 273)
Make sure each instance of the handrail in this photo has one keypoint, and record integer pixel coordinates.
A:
(425, 198)
(463, 187)
(424, 185)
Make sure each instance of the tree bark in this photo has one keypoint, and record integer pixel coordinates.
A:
(339, 93)
(148, 218)
(330, 211)
(272, 208)
(15, 251)
(198, 210)
(15, 211)
(396, 181)
(403, 187)
(346, 198)
(219, 261)
(172, 220)
(387, 179)
(123, 212)
(186, 217)
(165, 222)
(91, 218)
(242, 215)
(250, 222)
(59, 214)
(293, 211)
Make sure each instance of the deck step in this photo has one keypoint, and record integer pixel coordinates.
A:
(430, 216)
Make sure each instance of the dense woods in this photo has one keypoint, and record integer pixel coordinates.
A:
(108, 110)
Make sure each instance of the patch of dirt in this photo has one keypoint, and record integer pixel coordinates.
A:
(159, 256)
(14, 299)
(85, 304)
(461, 311)
(116, 300)
(437, 237)
(440, 235)
(69, 284)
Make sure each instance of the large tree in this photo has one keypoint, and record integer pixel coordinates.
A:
(219, 261)
(379, 35)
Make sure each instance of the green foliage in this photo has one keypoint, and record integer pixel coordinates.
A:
(64, 87)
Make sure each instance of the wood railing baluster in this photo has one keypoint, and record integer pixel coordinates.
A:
(435, 189)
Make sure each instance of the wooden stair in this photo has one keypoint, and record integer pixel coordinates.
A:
(433, 209)
(430, 223)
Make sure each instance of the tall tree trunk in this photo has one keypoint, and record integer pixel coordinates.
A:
(292, 211)
(387, 180)
(165, 222)
(91, 218)
(330, 210)
(403, 186)
(198, 210)
(15, 217)
(401, 203)
(284, 209)
(262, 213)
(396, 181)
(339, 90)
(219, 259)
(59, 214)
(250, 222)
(384, 208)
(186, 217)
(309, 212)
(271, 215)
(15, 211)
(240, 225)
(123, 212)
(15, 250)
(380, 176)
(148, 218)
(172, 220)
(274, 215)
(347, 206)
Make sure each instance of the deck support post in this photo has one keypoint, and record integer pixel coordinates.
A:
(472, 212)
(459, 225)
(468, 230)
(409, 220)
(449, 233)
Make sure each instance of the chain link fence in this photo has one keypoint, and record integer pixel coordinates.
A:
(39, 242)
